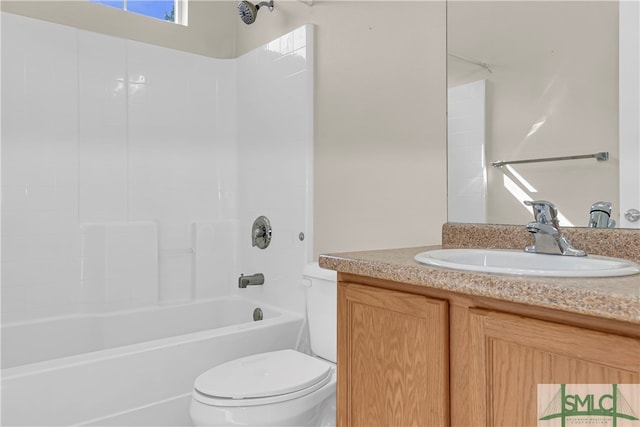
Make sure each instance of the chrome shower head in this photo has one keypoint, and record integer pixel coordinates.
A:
(249, 11)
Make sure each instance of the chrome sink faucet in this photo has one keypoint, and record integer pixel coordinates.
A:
(546, 231)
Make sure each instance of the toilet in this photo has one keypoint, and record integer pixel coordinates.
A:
(279, 388)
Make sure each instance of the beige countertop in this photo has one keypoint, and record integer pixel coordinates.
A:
(615, 298)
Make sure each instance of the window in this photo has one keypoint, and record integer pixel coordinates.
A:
(166, 10)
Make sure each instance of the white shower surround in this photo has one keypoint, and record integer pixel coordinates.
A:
(131, 175)
(103, 136)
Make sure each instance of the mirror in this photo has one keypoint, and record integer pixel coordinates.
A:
(532, 80)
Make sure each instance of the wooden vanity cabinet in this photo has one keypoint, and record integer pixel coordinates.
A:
(510, 355)
(418, 357)
(392, 358)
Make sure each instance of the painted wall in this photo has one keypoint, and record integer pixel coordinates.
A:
(379, 109)
(380, 119)
(210, 31)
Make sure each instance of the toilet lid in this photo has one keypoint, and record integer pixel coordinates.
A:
(263, 375)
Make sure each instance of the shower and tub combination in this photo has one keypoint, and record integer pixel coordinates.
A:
(122, 244)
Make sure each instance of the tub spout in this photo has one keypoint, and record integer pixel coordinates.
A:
(251, 280)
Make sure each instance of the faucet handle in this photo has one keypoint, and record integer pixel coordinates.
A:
(600, 215)
(544, 212)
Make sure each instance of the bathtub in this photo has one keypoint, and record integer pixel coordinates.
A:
(132, 367)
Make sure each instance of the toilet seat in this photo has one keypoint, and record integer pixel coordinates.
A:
(262, 379)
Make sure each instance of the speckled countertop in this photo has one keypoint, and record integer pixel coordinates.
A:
(611, 297)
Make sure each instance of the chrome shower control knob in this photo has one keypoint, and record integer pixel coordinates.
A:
(632, 215)
(261, 232)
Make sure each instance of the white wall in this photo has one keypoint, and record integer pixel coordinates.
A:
(121, 172)
(380, 118)
(210, 32)
(629, 124)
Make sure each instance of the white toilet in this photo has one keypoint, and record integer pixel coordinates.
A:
(280, 388)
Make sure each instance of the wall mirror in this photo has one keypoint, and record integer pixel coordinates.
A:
(537, 80)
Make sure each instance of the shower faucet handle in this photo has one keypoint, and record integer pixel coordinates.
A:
(261, 232)
(600, 215)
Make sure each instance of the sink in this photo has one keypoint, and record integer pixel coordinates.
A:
(522, 263)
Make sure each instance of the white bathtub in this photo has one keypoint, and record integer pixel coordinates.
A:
(129, 368)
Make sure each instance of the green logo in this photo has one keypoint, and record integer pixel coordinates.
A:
(588, 404)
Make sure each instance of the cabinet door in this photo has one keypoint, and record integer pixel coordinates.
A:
(392, 358)
(511, 355)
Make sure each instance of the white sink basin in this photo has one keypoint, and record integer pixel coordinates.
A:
(527, 264)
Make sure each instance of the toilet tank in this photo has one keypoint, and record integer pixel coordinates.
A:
(322, 304)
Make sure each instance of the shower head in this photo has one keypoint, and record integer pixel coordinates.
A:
(248, 11)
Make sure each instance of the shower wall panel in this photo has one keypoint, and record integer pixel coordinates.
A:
(109, 133)
(128, 180)
(275, 149)
(40, 238)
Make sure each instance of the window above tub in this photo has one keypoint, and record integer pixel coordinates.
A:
(165, 10)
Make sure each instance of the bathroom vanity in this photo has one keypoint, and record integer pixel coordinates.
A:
(420, 345)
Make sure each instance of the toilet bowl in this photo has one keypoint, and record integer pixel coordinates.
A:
(279, 388)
